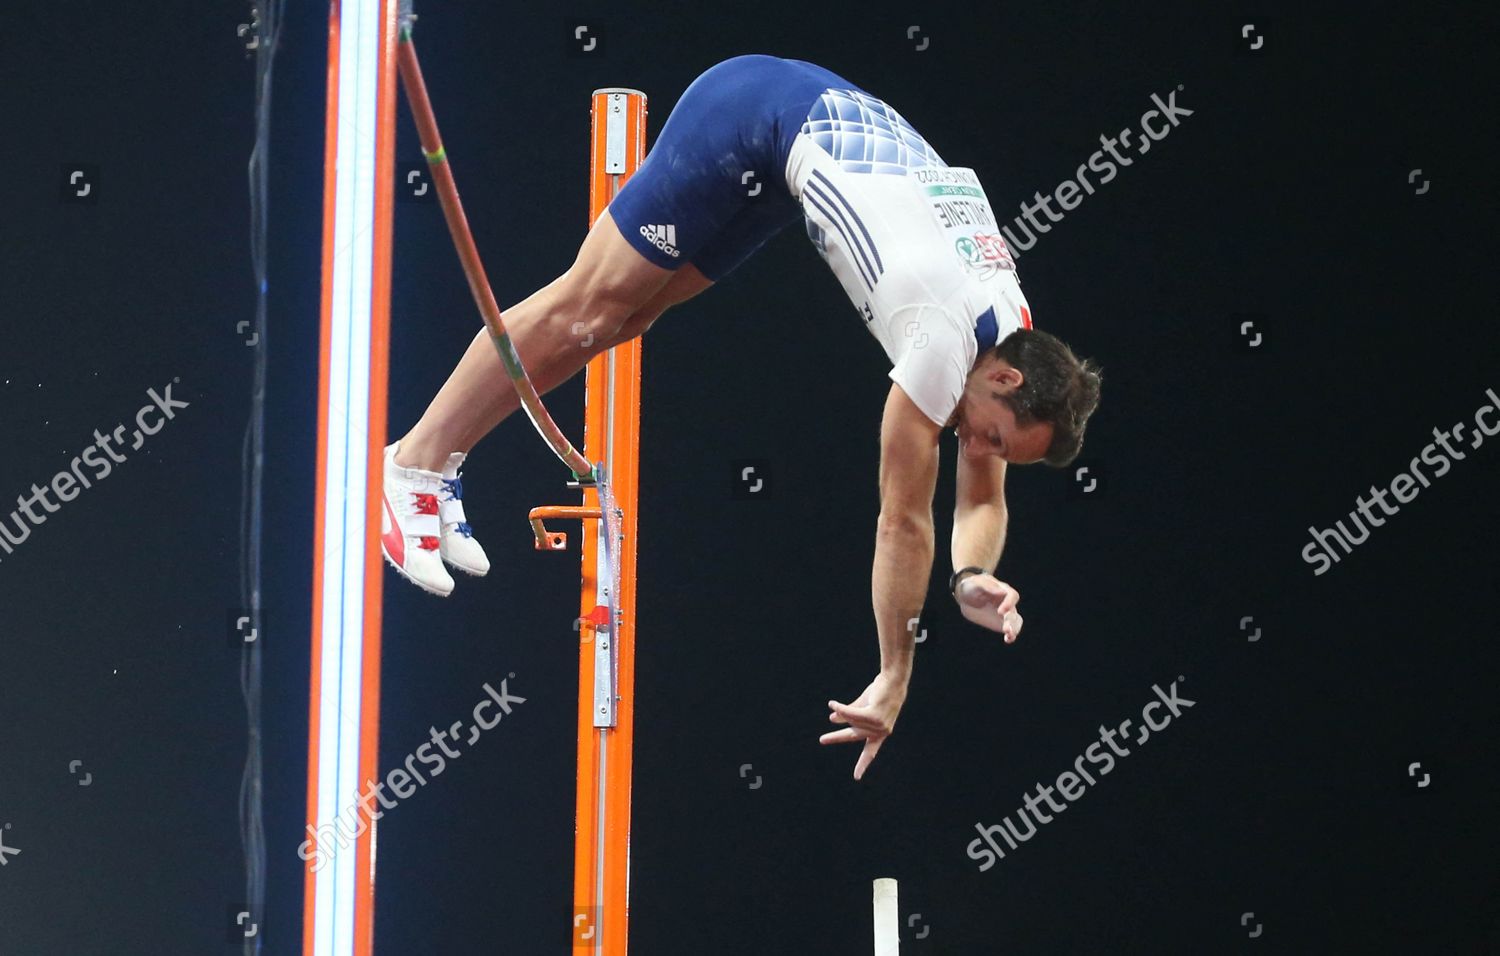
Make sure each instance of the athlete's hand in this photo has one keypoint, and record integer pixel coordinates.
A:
(871, 718)
(991, 603)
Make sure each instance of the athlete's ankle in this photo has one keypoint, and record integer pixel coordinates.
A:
(414, 454)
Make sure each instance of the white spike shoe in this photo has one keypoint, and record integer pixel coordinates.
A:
(410, 526)
(456, 542)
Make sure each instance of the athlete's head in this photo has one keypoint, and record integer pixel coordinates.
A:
(1026, 400)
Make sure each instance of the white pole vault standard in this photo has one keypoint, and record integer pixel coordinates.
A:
(344, 709)
(887, 919)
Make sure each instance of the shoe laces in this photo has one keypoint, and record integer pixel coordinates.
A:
(455, 489)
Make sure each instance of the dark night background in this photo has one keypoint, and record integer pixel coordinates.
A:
(1284, 792)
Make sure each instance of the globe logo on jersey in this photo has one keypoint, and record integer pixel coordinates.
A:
(984, 254)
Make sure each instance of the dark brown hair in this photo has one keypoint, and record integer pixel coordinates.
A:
(1058, 389)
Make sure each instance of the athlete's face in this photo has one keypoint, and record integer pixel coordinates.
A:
(985, 425)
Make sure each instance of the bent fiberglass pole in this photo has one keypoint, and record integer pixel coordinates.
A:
(468, 254)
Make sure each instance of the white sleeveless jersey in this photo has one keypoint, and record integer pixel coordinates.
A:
(912, 240)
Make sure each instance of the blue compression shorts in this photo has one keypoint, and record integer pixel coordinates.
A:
(713, 187)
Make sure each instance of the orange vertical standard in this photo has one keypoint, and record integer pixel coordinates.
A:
(601, 856)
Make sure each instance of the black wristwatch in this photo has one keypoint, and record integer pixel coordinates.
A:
(957, 576)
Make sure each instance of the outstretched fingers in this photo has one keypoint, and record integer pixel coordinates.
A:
(862, 717)
(872, 747)
(1009, 601)
(850, 735)
(846, 736)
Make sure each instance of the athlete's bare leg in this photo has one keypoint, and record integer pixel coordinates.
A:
(501, 400)
(609, 295)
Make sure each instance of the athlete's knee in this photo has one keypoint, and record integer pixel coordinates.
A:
(595, 325)
(608, 317)
(589, 309)
(636, 325)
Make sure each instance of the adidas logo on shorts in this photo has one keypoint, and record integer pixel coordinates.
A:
(663, 238)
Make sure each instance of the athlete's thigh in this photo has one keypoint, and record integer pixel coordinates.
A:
(609, 272)
(685, 283)
(691, 186)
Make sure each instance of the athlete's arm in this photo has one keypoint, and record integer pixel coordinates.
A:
(903, 567)
(979, 524)
(904, 532)
(979, 516)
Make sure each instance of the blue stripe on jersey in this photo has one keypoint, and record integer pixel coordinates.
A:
(815, 196)
(879, 266)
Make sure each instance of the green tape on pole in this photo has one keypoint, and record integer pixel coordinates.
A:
(436, 158)
(508, 356)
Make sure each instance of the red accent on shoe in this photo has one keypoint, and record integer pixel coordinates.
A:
(428, 543)
(394, 540)
(426, 504)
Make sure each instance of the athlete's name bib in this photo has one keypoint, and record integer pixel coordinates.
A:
(958, 205)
